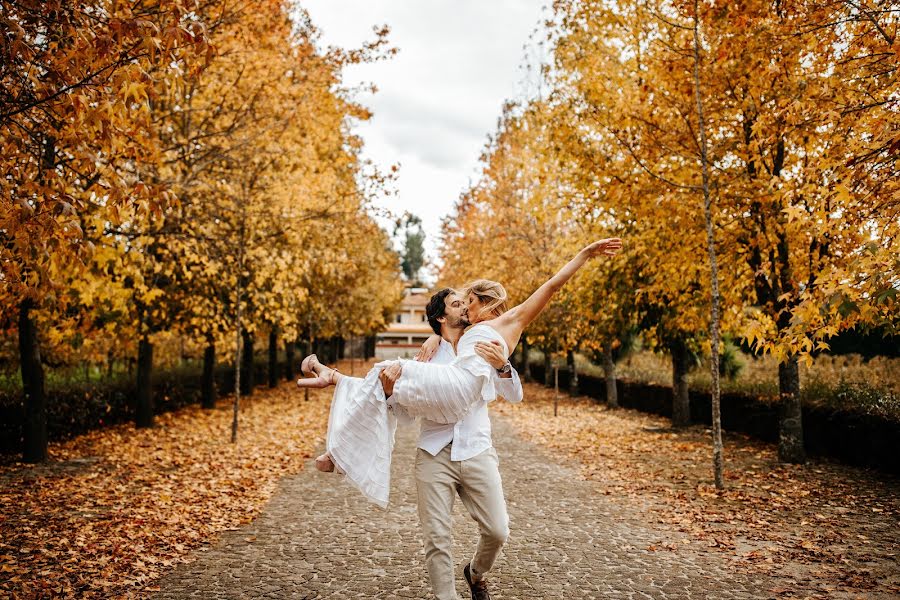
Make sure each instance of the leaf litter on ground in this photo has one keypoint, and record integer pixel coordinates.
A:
(832, 529)
(116, 508)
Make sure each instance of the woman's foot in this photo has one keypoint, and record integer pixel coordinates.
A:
(324, 463)
(324, 376)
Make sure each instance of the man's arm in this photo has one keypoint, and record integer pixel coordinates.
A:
(509, 386)
(389, 377)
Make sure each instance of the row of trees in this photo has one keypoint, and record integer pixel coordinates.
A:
(179, 167)
(783, 115)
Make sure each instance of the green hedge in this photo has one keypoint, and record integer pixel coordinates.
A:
(79, 407)
(852, 428)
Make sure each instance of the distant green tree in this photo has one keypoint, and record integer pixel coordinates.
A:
(412, 237)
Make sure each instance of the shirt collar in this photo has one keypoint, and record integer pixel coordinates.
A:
(447, 346)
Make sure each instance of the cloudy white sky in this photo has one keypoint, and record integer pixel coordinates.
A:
(440, 96)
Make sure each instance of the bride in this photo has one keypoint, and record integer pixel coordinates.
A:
(362, 421)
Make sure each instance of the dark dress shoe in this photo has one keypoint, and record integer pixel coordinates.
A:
(477, 588)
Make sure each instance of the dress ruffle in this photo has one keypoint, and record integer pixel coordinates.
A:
(361, 425)
(361, 430)
(446, 393)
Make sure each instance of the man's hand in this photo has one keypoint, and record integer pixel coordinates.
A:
(389, 377)
(429, 348)
(492, 353)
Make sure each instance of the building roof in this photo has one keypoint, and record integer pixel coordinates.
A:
(415, 328)
(415, 301)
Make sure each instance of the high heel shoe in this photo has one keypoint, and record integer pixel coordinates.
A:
(324, 463)
(307, 369)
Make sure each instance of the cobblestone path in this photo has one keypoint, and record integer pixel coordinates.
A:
(318, 538)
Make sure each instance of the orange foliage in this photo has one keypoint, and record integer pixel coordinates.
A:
(120, 506)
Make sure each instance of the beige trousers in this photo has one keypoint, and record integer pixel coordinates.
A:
(477, 481)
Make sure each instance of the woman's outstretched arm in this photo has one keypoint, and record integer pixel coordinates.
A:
(523, 314)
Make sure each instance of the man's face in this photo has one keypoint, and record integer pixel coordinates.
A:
(455, 312)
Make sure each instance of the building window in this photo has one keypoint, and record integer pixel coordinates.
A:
(399, 318)
(424, 318)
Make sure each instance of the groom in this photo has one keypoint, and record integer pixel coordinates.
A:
(459, 458)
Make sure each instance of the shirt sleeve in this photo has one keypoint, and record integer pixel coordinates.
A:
(511, 389)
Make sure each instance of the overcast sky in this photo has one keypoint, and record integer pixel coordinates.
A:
(440, 96)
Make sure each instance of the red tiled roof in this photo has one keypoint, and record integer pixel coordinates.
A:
(415, 301)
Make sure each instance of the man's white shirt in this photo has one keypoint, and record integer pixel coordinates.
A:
(472, 435)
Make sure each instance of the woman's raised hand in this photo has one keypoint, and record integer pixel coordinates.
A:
(516, 320)
(605, 247)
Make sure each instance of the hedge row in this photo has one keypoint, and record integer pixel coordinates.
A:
(83, 407)
(839, 433)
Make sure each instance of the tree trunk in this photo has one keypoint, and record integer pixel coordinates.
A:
(273, 358)
(681, 400)
(238, 367)
(526, 366)
(239, 333)
(350, 348)
(790, 417)
(208, 386)
(573, 373)
(309, 347)
(790, 414)
(548, 368)
(247, 379)
(143, 416)
(34, 449)
(718, 458)
(609, 373)
(289, 359)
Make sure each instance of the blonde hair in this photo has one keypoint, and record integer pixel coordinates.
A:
(492, 295)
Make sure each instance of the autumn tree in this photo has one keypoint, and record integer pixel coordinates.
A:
(778, 118)
(507, 227)
(71, 120)
(776, 159)
(286, 167)
(165, 176)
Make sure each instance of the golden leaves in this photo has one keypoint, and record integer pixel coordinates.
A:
(612, 147)
(202, 121)
(119, 507)
(806, 522)
(70, 138)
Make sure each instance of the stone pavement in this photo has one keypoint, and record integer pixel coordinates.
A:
(318, 538)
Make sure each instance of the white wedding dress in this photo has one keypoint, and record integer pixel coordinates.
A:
(361, 425)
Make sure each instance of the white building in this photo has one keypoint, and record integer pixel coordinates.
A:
(408, 328)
